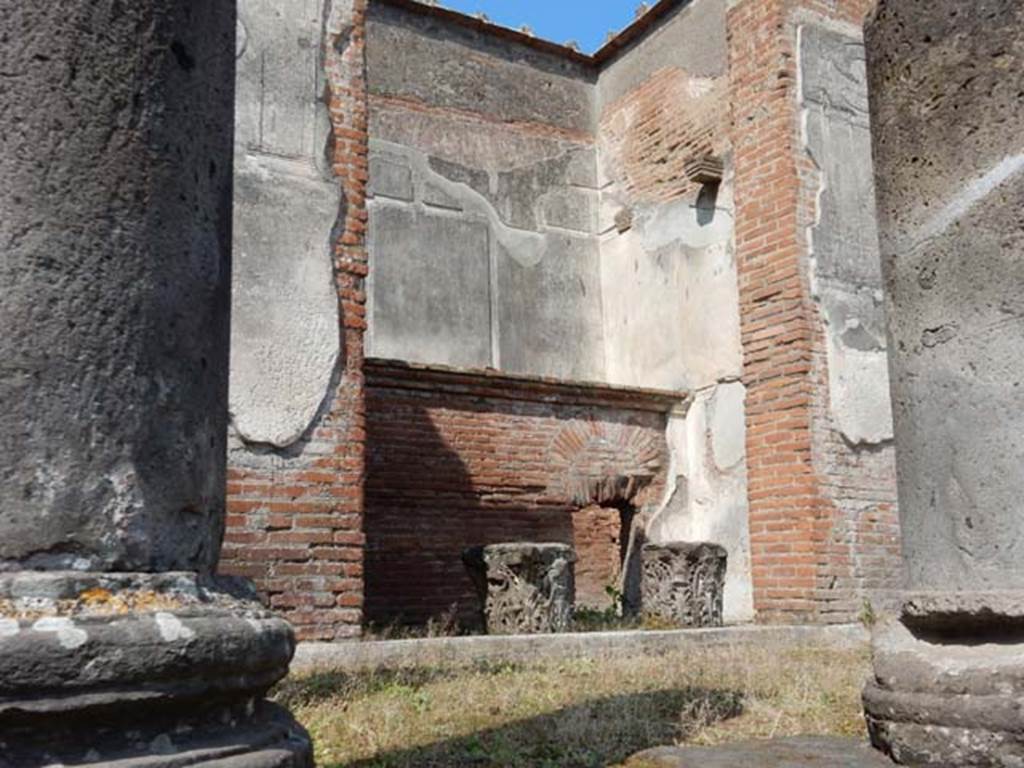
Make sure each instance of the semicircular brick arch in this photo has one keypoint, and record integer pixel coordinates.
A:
(601, 463)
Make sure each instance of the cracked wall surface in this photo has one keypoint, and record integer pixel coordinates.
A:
(483, 203)
(671, 303)
(821, 495)
(528, 212)
(494, 238)
(846, 277)
(285, 343)
(854, 451)
(706, 498)
(296, 446)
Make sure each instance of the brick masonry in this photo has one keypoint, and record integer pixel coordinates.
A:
(457, 458)
(648, 145)
(600, 536)
(295, 517)
(448, 459)
(823, 521)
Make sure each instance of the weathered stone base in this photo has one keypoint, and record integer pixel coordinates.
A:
(524, 588)
(141, 670)
(264, 738)
(949, 681)
(802, 752)
(683, 583)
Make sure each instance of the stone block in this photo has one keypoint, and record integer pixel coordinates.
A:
(683, 583)
(549, 311)
(425, 308)
(800, 752)
(390, 179)
(524, 588)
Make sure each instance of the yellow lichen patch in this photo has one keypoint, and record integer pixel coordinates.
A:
(96, 596)
(92, 602)
(103, 603)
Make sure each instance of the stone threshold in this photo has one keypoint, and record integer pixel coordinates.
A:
(355, 655)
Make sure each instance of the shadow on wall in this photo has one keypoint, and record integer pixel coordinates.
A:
(423, 509)
(449, 471)
(597, 733)
(419, 499)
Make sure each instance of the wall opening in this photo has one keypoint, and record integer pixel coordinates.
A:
(601, 539)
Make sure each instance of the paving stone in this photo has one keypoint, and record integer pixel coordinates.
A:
(801, 752)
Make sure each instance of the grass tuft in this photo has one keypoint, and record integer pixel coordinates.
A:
(579, 713)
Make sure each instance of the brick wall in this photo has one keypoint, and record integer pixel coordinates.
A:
(456, 459)
(600, 536)
(295, 517)
(822, 515)
(646, 145)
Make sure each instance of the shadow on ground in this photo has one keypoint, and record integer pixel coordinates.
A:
(595, 734)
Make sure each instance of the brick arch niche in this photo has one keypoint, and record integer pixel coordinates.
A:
(606, 470)
(457, 459)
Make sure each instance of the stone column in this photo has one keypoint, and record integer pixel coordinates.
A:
(946, 79)
(116, 641)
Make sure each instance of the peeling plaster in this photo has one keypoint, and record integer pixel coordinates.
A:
(285, 335)
(525, 300)
(845, 262)
(670, 292)
(527, 247)
(706, 494)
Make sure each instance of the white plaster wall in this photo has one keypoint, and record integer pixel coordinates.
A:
(285, 334)
(671, 312)
(846, 277)
(671, 300)
(707, 497)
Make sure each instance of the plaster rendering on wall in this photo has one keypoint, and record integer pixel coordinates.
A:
(545, 216)
(846, 268)
(285, 336)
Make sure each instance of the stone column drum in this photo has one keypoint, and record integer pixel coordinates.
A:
(946, 79)
(117, 643)
(683, 583)
(524, 589)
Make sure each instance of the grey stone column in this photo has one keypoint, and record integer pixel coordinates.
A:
(116, 642)
(946, 82)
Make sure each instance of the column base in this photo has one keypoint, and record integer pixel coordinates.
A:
(949, 681)
(130, 670)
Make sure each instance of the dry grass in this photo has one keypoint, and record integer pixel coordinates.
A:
(580, 713)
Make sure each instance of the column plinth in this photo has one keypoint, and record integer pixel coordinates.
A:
(117, 644)
(947, 118)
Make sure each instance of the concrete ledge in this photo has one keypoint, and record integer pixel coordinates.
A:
(354, 656)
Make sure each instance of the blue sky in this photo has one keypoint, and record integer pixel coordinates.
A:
(585, 21)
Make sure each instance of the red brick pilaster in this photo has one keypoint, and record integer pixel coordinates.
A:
(295, 521)
(795, 557)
